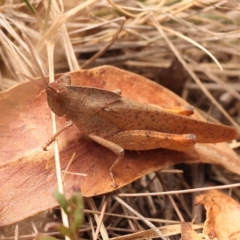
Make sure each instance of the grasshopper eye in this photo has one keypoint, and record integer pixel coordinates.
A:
(58, 98)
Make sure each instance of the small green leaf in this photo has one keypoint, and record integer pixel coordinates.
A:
(78, 218)
(61, 200)
(76, 201)
(74, 210)
(65, 231)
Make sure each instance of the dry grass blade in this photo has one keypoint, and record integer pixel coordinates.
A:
(98, 219)
(185, 38)
(172, 201)
(105, 202)
(102, 51)
(170, 230)
(50, 49)
(36, 61)
(227, 186)
(121, 9)
(141, 217)
(61, 20)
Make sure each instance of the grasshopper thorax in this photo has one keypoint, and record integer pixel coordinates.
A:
(58, 98)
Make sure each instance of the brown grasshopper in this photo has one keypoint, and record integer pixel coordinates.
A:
(119, 123)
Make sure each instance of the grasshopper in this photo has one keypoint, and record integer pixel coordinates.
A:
(119, 123)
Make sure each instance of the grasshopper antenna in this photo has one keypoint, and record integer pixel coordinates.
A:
(33, 53)
(31, 79)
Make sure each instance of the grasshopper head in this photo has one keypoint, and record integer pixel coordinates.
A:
(58, 98)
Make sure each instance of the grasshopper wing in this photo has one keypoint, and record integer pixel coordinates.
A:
(127, 115)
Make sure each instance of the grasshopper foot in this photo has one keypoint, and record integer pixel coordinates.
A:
(113, 180)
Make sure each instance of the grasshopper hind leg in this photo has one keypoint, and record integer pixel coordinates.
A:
(146, 140)
(181, 110)
(143, 140)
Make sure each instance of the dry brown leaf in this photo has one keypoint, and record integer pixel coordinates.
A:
(189, 234)
(25, 180)
(223, 216)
